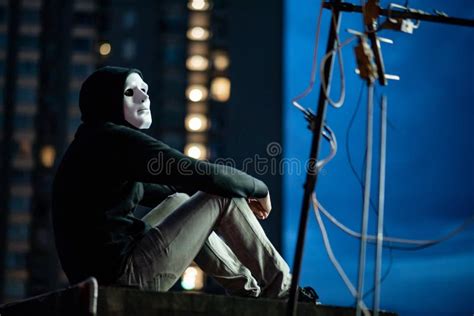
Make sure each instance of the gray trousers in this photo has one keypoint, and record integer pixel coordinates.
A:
(221, 235)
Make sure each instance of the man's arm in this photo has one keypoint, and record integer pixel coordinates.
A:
(151, 161)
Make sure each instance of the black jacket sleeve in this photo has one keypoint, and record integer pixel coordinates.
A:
(154, 194)
(151, 161)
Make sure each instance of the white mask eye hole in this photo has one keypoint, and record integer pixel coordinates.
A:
(128, 92)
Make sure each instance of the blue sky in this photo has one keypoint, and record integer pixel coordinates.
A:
(430, 170)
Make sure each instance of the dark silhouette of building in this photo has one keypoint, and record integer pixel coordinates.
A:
(47, 49)
(214, 70)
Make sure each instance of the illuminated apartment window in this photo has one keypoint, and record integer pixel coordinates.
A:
(105, 49)
(192, 278)
(221, 60)
(199, 5)
(196, 151)
(47, 156)
(198, 33)
(220, 89)
(196, 122)
(196, 93)
(197, 63)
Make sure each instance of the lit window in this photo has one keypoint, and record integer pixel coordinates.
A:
(221, 60)
(196, 122)
(105, 49)
(196, 151)
(197, 63)
(220, 89)
(192, 279)
(198, 5)
(47, 155)
(196, 93)
(197, 33)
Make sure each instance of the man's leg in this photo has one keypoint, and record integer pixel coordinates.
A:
(169, 248)
(254, 249)
(215, 257)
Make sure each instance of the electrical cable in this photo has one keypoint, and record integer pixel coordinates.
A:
(332, 257)
(371, 238)
(330, 136)
(348, 130)
(421, 244)
(312, 81)
(338, 51)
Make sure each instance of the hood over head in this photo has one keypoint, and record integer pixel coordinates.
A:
(101, 95)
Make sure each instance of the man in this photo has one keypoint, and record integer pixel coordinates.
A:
(111, 167)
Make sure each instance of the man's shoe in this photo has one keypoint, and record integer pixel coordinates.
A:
(307, 294)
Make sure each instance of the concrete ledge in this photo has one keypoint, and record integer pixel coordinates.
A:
(124, 301)
(86, 298)
(77, 300)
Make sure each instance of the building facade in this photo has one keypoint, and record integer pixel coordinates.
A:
(215, 85)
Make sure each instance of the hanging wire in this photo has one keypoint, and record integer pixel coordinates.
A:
(324, 85)
(337, 50)
(312, 80)
(333, 259)
(418, 243)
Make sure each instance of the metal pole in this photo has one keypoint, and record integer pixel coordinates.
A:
(365, 212)
(312, 175)
(381, 206)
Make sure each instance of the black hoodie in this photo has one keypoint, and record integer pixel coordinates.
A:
(110, 168)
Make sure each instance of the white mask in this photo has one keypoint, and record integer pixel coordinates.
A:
(136, 103)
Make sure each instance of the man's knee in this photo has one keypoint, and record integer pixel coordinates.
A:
(179, 196)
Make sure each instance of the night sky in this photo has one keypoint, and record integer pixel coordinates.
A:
(430, 154)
